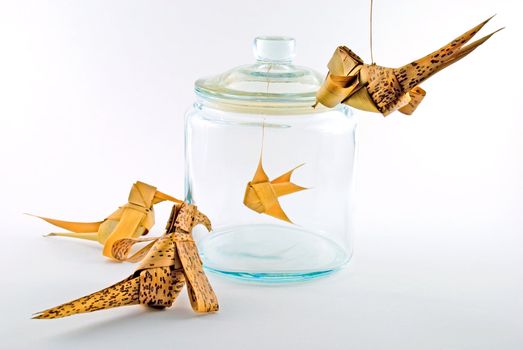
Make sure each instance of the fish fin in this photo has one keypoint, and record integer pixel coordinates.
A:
(275, 210)
(284, 188)
(260, 175)
(287, 176)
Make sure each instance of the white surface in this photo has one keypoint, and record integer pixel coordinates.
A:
(92, 96)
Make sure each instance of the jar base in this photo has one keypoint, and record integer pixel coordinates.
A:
(271, 253)
(271, 278)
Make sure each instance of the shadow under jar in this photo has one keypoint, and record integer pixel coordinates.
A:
(266, 110)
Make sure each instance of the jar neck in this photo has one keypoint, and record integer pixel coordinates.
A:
(257, 107)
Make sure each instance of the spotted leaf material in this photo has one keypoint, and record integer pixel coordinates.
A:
(261, 194)
(374, 88)
(170, 264)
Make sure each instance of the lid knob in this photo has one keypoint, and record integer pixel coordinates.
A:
(279, 49)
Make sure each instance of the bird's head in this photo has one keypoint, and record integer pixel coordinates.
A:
(189, 216)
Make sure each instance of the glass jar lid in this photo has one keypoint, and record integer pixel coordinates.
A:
(272, 82)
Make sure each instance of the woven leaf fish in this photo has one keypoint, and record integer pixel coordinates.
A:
(374, 88)
(261, 194)
(127, 223)
(172, 262)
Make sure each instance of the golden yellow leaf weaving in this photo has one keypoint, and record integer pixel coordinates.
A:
(170, 264)
(374, 88)
(120, 230)
(261, 194)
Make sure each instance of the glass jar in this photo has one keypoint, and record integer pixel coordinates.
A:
(265, 111)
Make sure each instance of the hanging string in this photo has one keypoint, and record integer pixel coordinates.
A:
(268, 78)
(371, 50)
(263, 137)
(263, 121)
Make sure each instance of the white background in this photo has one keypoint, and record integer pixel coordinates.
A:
(92, 98)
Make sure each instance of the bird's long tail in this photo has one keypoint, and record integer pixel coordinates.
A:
(82, 230)
(420, 70)
(122, 293)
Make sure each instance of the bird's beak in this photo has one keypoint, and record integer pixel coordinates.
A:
(201, 218)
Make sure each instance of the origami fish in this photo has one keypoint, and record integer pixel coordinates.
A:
(172, 263)
(374, 88)
(128, 222)
(261, 194)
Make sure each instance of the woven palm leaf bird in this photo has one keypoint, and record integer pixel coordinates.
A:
(127, 223)
(374, 88)
(170, 264)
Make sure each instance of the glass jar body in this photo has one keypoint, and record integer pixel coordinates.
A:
(222, 152)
